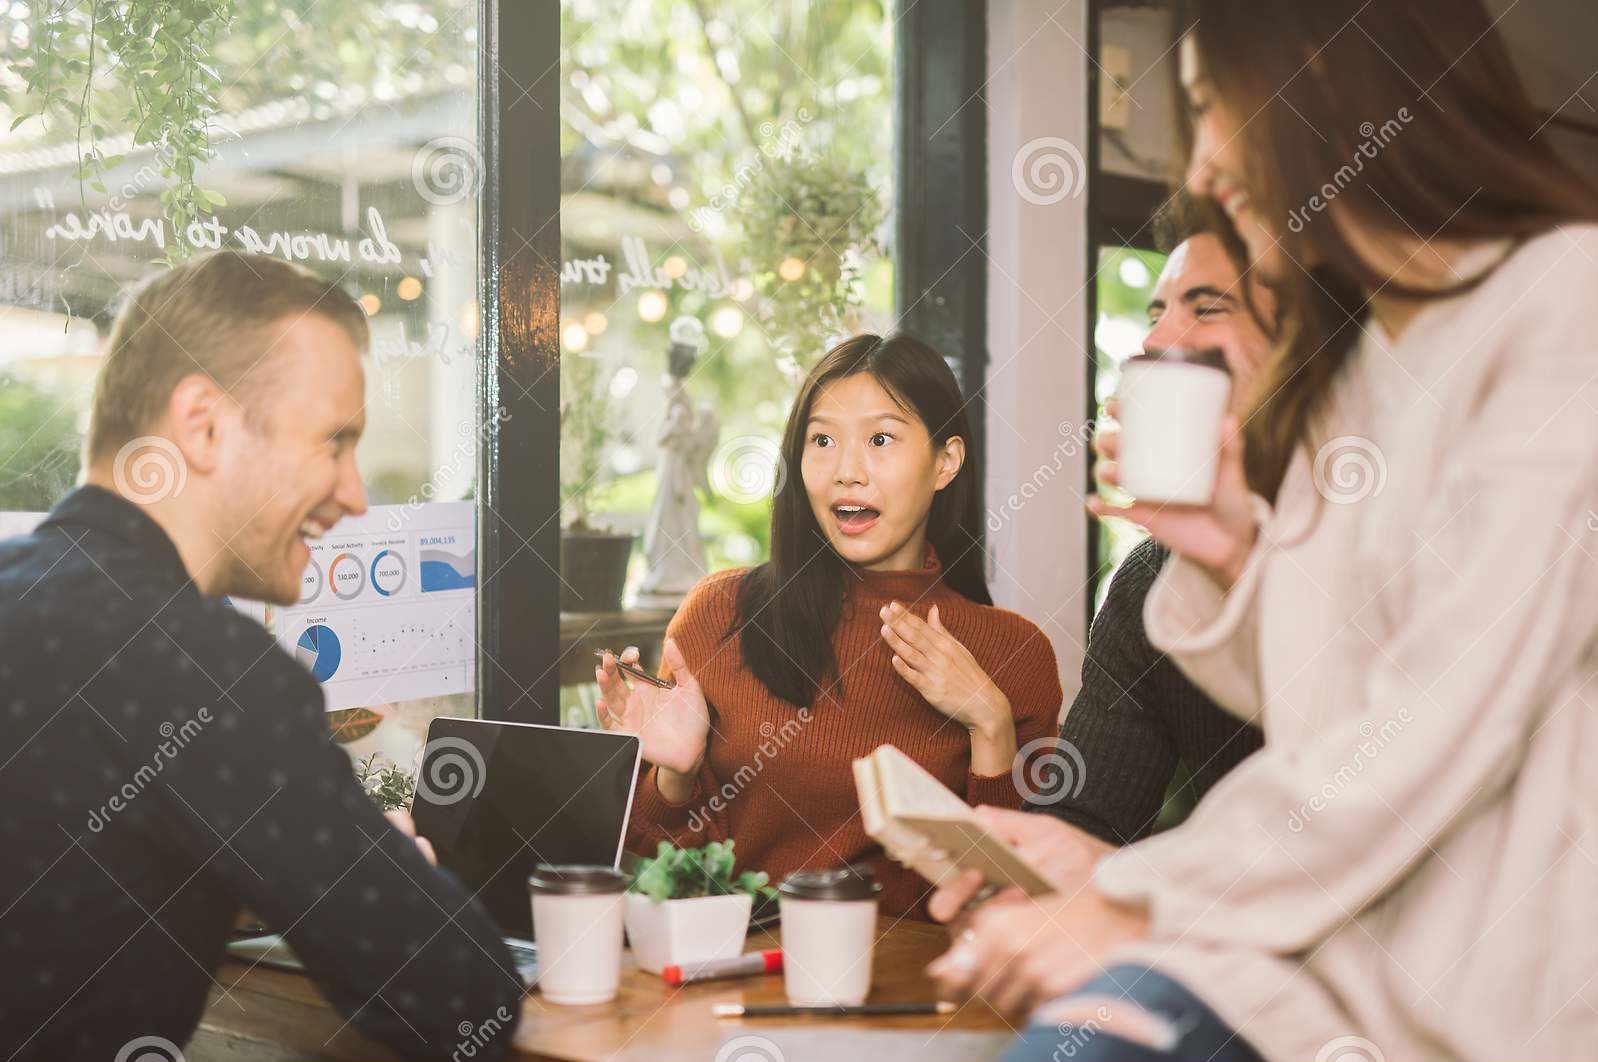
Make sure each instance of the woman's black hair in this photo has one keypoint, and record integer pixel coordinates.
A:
(788, 608)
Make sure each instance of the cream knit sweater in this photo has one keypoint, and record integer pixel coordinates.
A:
(1409, 868)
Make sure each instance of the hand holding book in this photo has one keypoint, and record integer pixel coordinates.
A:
(1062, 853)
(923, 825)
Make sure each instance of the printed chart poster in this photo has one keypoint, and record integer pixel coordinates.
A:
(388, 606)
(19, 523)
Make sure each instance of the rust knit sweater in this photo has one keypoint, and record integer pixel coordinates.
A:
(777, 779)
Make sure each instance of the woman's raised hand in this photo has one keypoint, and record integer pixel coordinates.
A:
(943, 670)
(1219, 536)
(672, 724)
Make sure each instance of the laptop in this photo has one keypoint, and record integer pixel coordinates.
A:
(496, 799)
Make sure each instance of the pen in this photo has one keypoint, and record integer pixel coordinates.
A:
(739, 1010)
(637, 672)
(756, 962)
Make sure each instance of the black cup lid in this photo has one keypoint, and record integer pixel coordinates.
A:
(1209, 357)
(572, 880)
(842, 883)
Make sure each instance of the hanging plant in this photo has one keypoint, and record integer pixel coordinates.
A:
(810, 222)
(133, 64)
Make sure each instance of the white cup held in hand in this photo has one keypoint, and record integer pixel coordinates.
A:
(829, 930)
(577, 920)
(1172, 407)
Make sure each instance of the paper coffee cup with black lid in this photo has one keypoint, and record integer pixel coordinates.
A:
(829, 931)
(577, 924)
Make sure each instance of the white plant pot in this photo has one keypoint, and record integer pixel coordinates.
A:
(676, 932)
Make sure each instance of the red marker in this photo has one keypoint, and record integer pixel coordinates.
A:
(756, 962)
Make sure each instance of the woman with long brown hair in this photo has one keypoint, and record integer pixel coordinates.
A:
(870, 624)
(1397, 577)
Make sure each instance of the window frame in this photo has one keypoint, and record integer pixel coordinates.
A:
(1121, 213)
(940, 292)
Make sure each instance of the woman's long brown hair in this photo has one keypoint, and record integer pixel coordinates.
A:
(1413, 116)
(788, 608)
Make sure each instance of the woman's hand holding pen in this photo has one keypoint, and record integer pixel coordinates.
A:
(672, 724)
(943, 671)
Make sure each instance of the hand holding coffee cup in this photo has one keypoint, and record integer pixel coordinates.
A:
(1216, 533)
(1171, 405)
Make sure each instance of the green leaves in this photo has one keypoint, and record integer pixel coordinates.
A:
(810, 220)
(154, 58)
(42, 444)
(389, 787)
(685, 873)
(586, 434)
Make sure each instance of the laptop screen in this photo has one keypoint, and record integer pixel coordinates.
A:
(497, 799)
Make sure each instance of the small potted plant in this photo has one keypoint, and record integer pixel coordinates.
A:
(685, 906)
(593, 560)
(390, 787)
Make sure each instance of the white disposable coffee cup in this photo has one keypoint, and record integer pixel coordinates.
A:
(1172, 406)
(829, 931)
(577, 924)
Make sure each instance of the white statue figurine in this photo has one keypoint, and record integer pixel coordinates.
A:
(673, 550)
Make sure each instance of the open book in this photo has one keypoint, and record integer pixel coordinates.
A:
(929, 829)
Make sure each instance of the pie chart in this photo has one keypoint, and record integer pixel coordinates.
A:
(318, 651)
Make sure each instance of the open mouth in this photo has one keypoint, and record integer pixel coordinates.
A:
(311, 529)
(854, 519)
(1234, 201)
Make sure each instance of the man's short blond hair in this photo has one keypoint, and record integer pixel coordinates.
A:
(211, 315)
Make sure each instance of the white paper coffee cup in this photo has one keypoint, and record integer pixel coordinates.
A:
(577, 923)
(1172, 406)
(829, 933)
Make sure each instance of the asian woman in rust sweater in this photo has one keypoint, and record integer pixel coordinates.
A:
(871, 624)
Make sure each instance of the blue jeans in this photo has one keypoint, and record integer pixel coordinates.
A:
(1196, 1033)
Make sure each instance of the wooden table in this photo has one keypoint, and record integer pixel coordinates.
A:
(277, 1014)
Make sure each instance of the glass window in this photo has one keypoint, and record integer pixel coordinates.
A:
(727, 178)
(342, 141)
(1125, 281)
